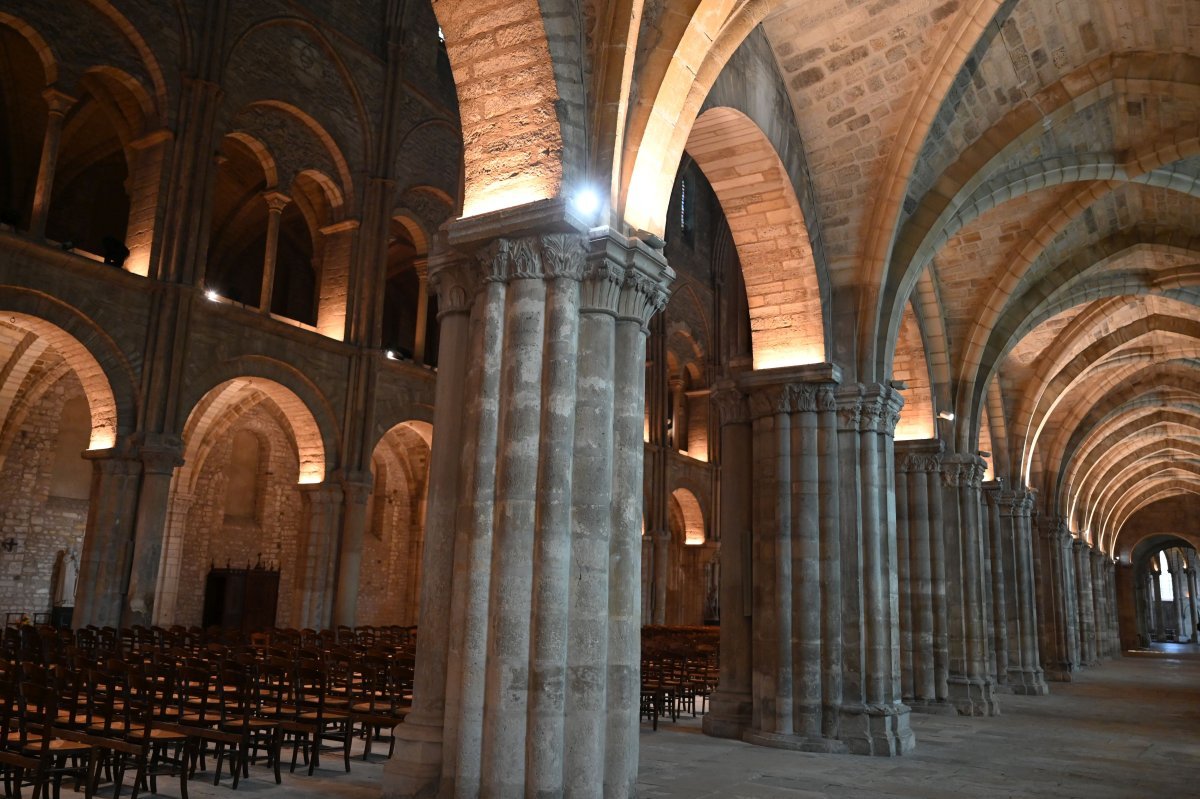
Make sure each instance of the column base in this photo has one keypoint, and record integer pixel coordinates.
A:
(974, 696)
(931, 707)
(1028, 683)
(415, 769)
(1059, 672)
(795, 743)
(729, 715)
(879, 730)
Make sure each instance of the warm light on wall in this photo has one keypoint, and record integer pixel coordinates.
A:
(103, 437)
(508, 194)
(914, 429)
(311, 473)
(775, 357)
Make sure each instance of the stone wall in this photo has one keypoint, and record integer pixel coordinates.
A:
(213, 538)
(42, 525)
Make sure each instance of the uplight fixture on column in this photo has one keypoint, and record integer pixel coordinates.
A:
(946, 416)
(211, 295)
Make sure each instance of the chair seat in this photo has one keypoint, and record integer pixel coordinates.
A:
(328, 715)
(59, 745)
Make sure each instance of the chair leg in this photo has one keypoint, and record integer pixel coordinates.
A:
(346, 733)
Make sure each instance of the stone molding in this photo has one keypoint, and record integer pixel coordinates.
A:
(963, 471)
(786, 398)
(873, 408)
(1016, 503)
(924, 455)
(729, 403)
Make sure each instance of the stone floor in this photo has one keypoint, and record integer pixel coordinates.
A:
(1130, 728)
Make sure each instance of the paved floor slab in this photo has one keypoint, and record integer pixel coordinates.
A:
(1129, 728)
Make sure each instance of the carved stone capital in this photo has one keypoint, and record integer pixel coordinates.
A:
(729, 404)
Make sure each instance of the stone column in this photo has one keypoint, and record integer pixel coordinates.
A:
(316, 555)
(1191, 574)
(1180, 617)
(788, 709)
(421, 267)
(874, 720)
(730, 706)
(1025, 673)
(416, 766)
(1099, 603)
(160, 457)
(972, 690)
(904, 579)
(356, 493)
(108, 538)
(57, 105)
(920, 462)
(998, 575)
(276, 202)
(1156, 614)
(544, 657)
(1085, 608)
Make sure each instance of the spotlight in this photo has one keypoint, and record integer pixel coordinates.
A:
(115, 251)
(946, 415)
(390, 355)
(211, 295)
(586, 202)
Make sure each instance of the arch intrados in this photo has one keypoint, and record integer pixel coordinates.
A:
(1151, 491)
(322, 135)
(94, 377)
(1075, 373)
(1099, 459)
(301, 422)
(344, 73)
(1081, 419)
(919, 395)
(1086, 85)
(124, 95)
(1135, 550)
(40, 46)
(694, 529)
(414, 228)
(316, 184)
(258, 151)
(1072, 92)
(1151, 460)
(770, 234)
(145, 53)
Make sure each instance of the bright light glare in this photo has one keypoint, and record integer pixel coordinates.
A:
(949, 417)
(212, 296)
(390, 355)
(587, 202)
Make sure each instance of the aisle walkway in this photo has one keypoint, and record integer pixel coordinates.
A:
(1129, 728)
(1125, 730)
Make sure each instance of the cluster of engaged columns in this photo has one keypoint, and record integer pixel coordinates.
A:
(528, 675)
(809, 637)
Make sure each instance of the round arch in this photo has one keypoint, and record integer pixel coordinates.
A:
(104, 372)
(783, 284)
(695, 532)
(308, 413)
